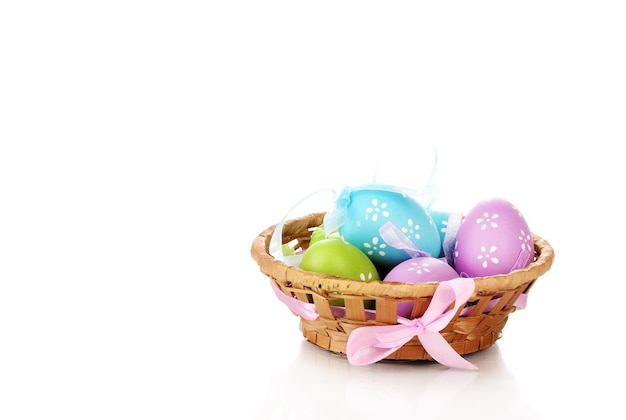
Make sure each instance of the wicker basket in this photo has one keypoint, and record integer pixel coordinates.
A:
(475, 328)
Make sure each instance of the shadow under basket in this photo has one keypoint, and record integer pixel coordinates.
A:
(476, 326)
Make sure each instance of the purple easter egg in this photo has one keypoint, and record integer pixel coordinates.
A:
(419, 270)
(493, 239)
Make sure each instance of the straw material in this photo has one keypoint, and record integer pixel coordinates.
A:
(474, 331)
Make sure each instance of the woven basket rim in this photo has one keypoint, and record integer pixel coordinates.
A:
(296, 277)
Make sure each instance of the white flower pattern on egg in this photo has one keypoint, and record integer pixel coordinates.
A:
(487, 220)
(363, 277)
(444, 226)
(375, 247)
(376, 210)
(526, 239)
(419, 268)
(411, 230)
(487, 255)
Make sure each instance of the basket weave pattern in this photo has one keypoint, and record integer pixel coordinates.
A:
(475, 327)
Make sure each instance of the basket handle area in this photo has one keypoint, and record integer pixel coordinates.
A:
(276, 238)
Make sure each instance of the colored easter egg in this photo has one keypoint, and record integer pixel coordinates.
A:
(419, 270)
(494, 238)
(339, 258)
(368, 209)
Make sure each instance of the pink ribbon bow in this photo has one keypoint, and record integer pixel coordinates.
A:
(368, 345)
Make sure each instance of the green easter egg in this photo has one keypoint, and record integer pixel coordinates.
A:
(336, 257)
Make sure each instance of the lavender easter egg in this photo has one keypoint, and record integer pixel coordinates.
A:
(419, 270)
(368, 209)
(494, 238)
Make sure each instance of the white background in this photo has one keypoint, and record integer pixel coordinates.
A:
(144, 145)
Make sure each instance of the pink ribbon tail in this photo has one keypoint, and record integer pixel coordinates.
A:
(304, 309)
(368, 345)
(442, 352)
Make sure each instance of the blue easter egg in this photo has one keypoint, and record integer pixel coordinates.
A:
(368, 209)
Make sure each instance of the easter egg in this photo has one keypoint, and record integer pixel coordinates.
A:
(339, 258)
(419, 270)
(368, 209)
(493, 239)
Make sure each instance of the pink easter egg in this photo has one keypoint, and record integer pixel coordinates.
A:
(493, 239)
(419, 270)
